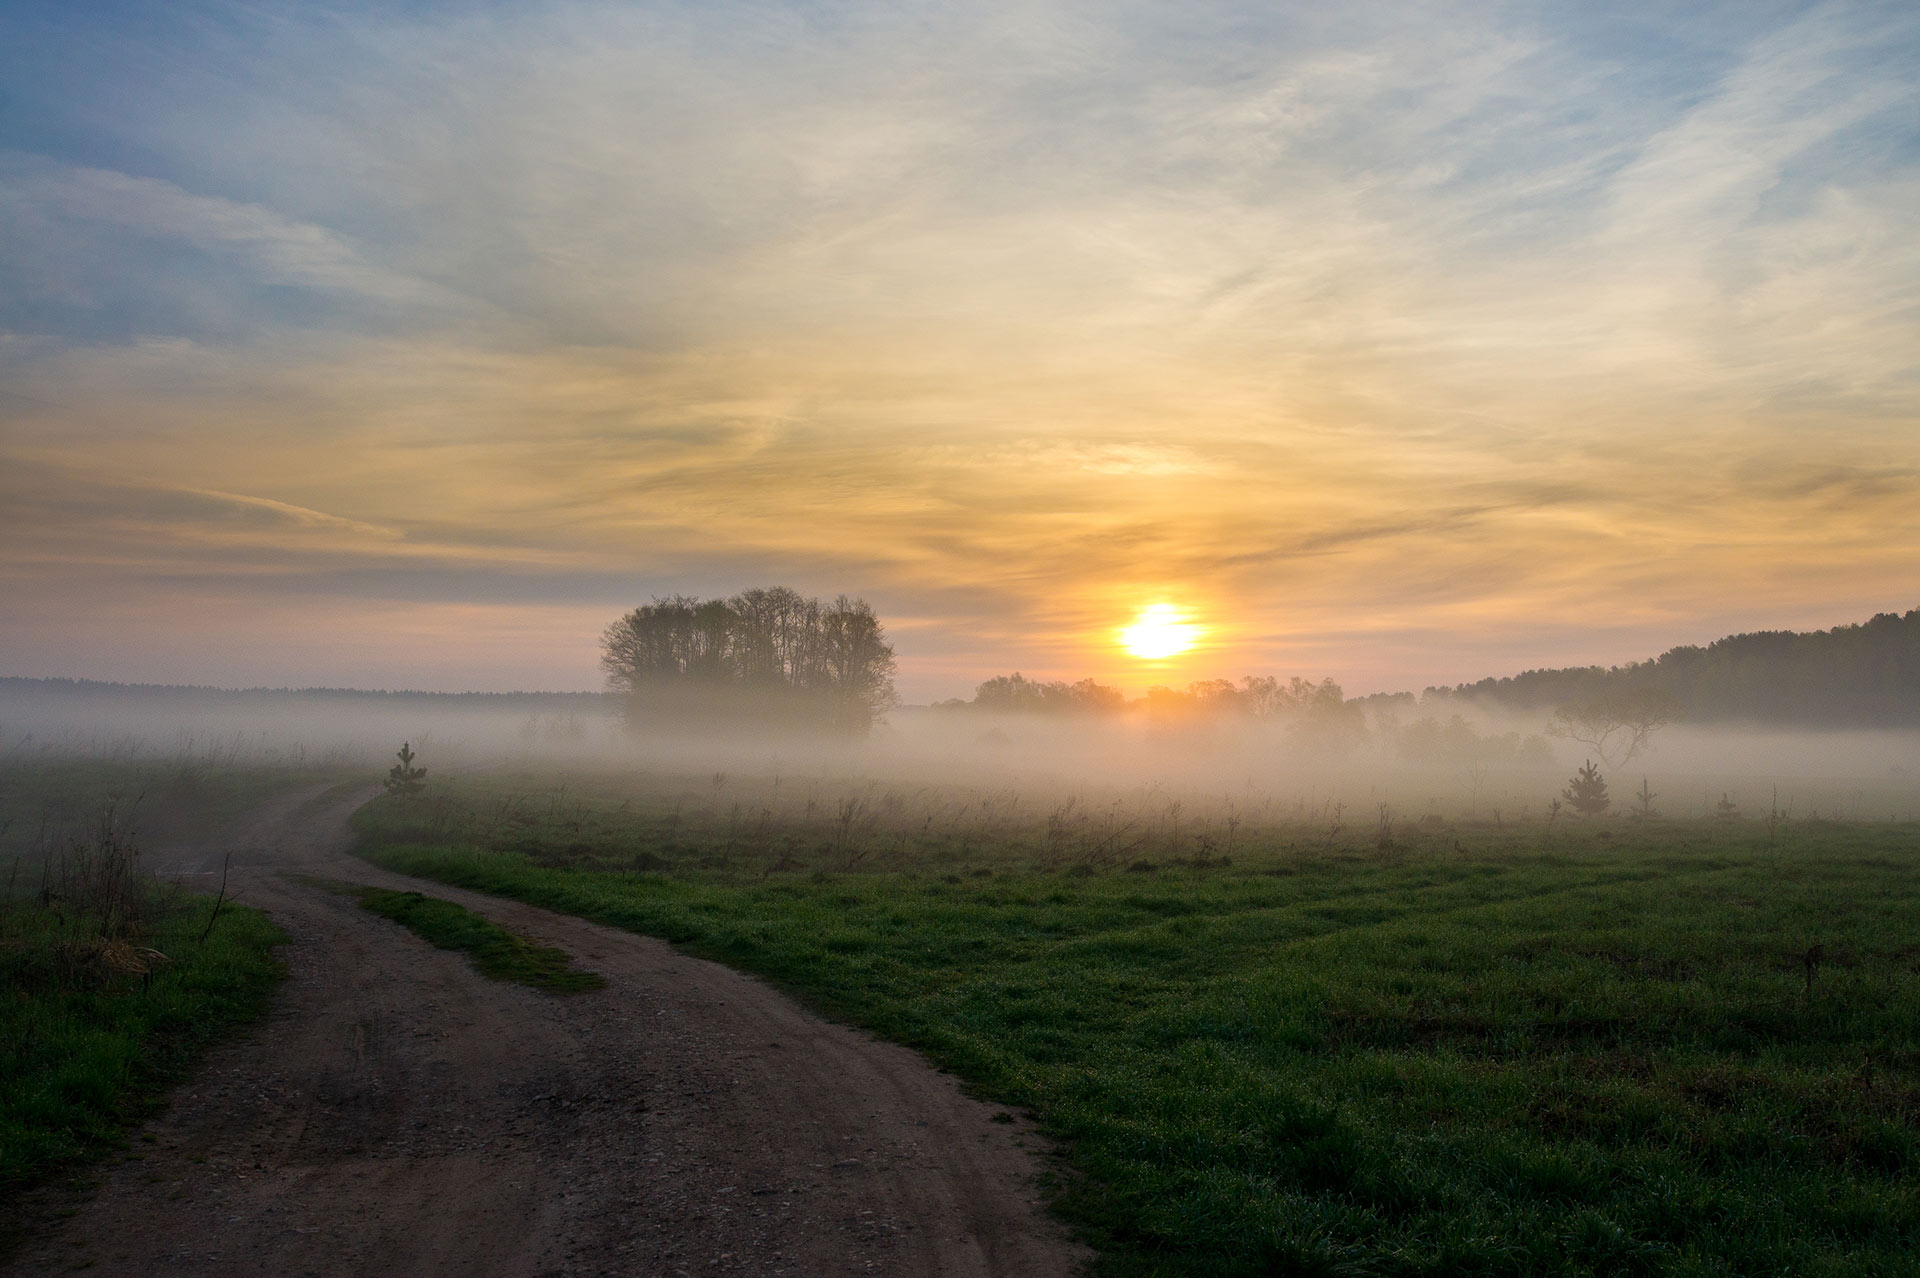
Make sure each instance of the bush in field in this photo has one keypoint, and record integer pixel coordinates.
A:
(1587, 791)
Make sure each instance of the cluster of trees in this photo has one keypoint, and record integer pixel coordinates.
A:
(1320, 710)
(764, 655)
(1255, 697)
(1429, 740)
(1017, 694)
(1322, 704)
(1860, 675)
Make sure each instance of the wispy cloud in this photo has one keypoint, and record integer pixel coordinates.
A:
(1378, 321)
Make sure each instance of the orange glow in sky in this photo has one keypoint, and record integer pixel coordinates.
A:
(1405, 346)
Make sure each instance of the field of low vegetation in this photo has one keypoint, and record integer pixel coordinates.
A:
(1277, 1038)
(49, 799)
(112, 982)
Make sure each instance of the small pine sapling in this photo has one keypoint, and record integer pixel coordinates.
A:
(403, 778)
(1643, 802)
(1586, 792)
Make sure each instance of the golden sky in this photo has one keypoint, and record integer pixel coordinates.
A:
(406, 348)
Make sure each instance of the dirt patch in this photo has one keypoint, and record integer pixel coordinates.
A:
(399, 1114)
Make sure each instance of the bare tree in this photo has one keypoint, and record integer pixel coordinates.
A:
(1616, 726)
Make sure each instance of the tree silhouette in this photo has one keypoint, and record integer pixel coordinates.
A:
(1587, 791)
(1017, 693)
(1616, 725)
(1861, 674)
(403, 778)
(765, 655)
(1643, 801)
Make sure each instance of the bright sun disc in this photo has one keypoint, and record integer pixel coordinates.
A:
(1159, 631)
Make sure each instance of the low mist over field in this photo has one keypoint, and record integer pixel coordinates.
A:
(1498, 752)
(1341, 407)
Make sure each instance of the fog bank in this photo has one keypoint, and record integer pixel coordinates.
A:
(1413, 763)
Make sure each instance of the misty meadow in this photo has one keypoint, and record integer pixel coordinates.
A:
(959, 640)
(1463, 981)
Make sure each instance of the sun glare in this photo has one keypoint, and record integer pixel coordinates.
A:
(1160, 630)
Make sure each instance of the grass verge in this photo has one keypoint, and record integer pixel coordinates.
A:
(495, 952)
(112, 983)
(89, 1043)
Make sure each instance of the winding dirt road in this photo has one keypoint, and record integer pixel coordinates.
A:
(398, 1114)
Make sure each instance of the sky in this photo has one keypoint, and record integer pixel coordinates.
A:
(409, 345)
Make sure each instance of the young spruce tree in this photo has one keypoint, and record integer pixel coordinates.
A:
(403, 778)
(1587, 791)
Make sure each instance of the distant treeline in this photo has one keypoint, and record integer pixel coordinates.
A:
(1850, 676)
(1320, 708)
(1256, 696)
(1318, 713)
(763, 656)
(544, 702)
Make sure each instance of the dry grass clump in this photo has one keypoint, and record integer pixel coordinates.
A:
(96, 960)
(85, 923)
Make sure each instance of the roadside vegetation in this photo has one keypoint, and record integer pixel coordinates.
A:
(496, 953)
(114, 984)
(1281, 1039)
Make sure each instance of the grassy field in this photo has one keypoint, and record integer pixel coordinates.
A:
(496, 953)
(45, 799)
(1275, 1046)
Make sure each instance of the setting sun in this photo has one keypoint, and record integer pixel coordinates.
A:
(1160, 630)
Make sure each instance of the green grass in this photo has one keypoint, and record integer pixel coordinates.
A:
(1470, 1051)
(495, 952)
(86, 1051)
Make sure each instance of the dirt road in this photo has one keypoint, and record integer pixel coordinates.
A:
(398, 1114)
